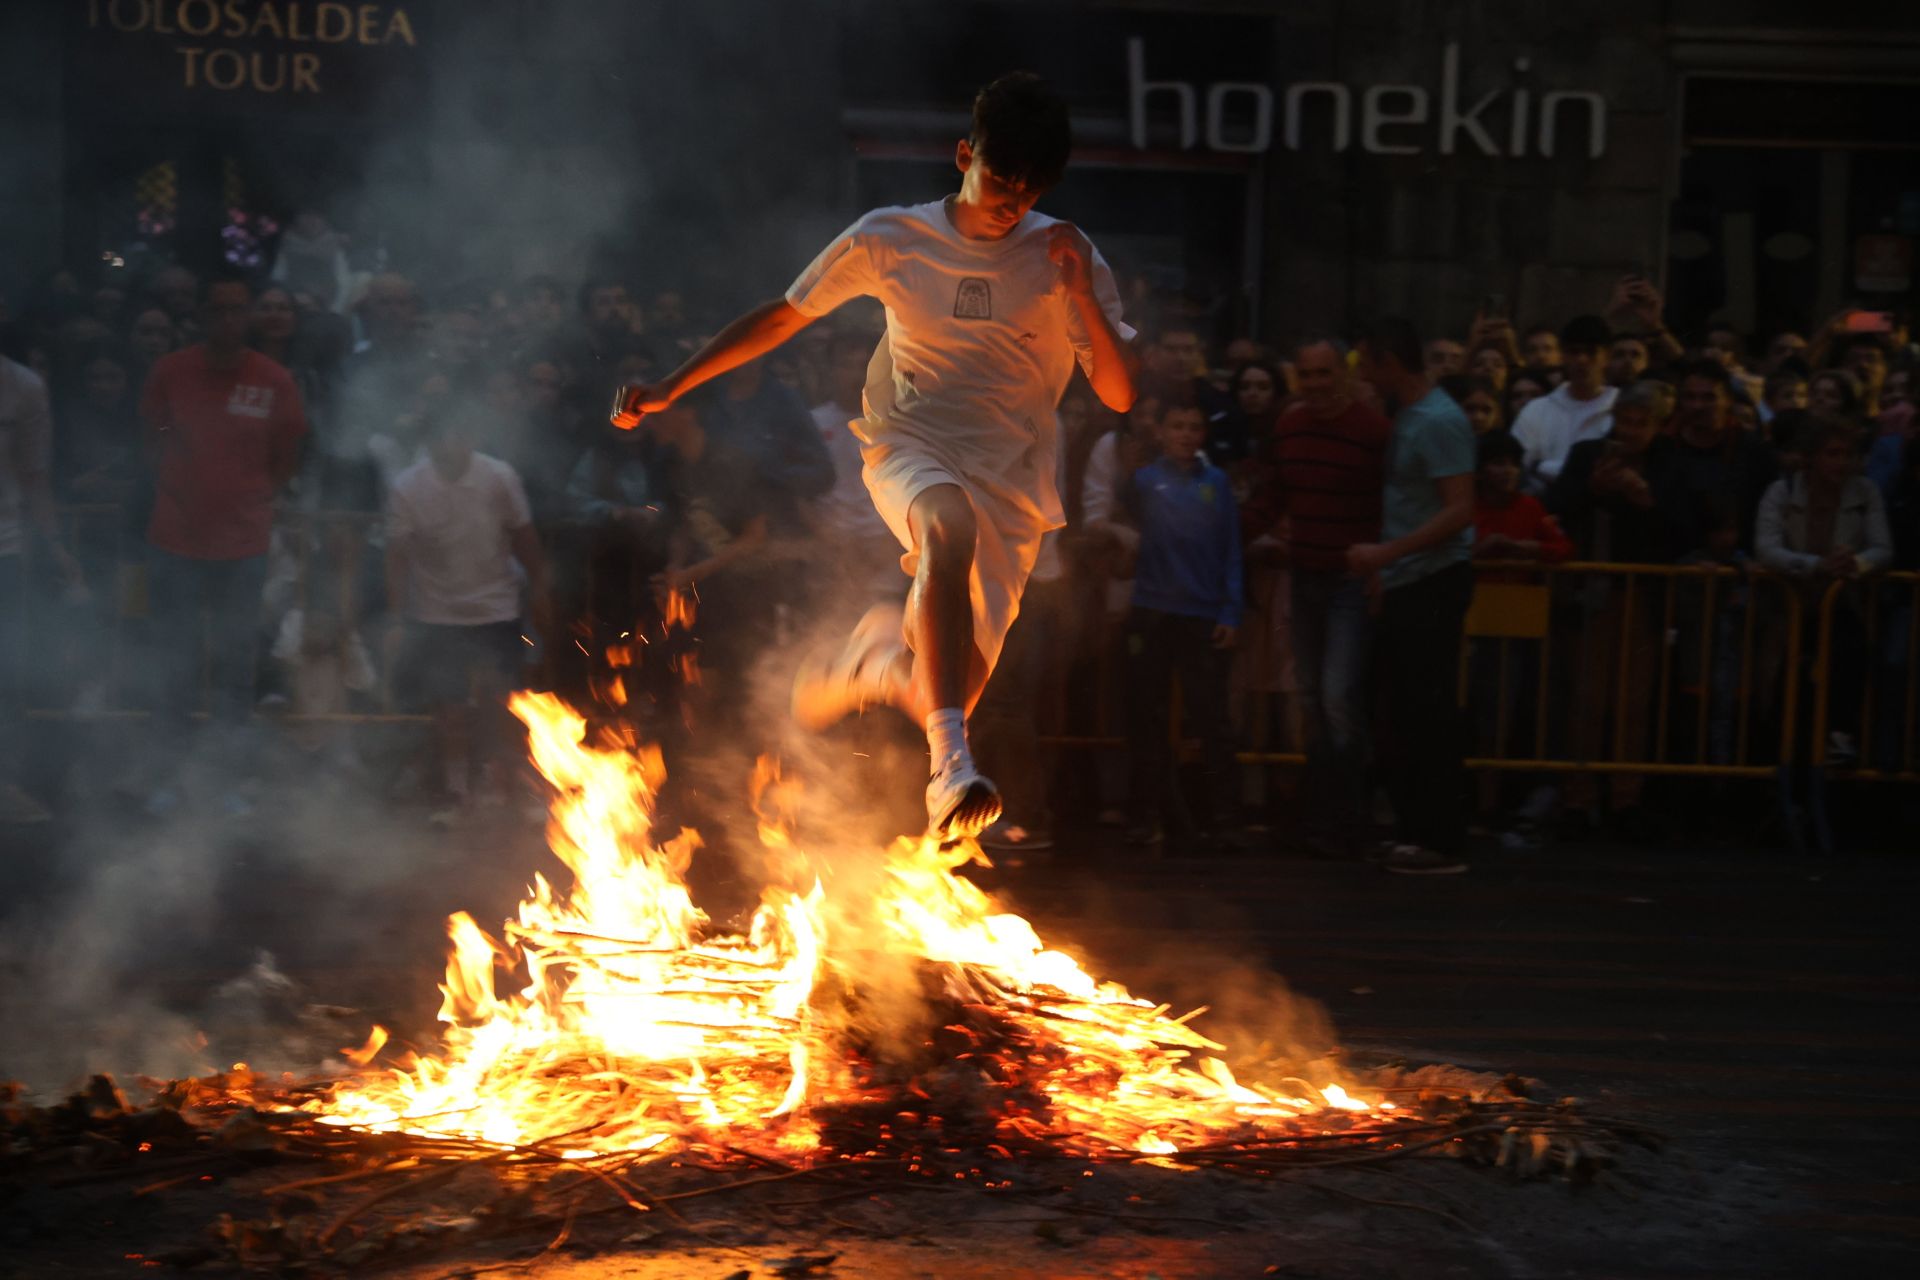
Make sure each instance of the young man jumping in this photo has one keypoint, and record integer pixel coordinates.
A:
(989, 304)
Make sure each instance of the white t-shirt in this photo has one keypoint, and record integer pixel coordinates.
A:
(1551, 425)
(981, 341)
(456, 534)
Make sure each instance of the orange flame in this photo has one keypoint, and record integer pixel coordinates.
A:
(679, 610)
(638, 1029)
(376, 1040)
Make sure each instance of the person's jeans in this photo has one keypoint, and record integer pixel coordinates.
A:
(1330, 631)
(1160, 648)
(1420, 626)
(206, 616)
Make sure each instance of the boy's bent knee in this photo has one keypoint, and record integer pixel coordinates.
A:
(943, 525)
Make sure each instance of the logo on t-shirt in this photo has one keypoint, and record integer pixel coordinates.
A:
(973, 300)
(251, 402)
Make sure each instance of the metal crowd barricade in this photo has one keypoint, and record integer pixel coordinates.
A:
(1886, 609)
(1725, 639)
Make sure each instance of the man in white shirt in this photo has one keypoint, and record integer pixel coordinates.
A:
(460, 541)
(1580, 408)
(989, 306)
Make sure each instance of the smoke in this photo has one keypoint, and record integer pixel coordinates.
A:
(184, 943)
(642, 137)
(645, 137)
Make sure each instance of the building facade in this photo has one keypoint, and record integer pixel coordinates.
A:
(1287, 166)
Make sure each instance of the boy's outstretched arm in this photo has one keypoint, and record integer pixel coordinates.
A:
(752, 335)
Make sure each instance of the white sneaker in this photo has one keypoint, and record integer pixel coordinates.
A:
(826, 692)
(961, 801)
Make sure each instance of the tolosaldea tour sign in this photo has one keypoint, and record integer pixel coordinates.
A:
(254, 48)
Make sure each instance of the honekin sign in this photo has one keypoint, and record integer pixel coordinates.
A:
(1394, 119)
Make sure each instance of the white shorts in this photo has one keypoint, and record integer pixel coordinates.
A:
(1008, 542)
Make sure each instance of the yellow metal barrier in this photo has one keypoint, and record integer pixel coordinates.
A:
(1630, 627)
(1887, 609)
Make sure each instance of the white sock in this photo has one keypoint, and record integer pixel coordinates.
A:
(947, 734)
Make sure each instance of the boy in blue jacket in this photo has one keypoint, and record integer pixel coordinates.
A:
(1187, 602)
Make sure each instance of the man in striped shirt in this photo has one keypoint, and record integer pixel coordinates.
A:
(1325, 467)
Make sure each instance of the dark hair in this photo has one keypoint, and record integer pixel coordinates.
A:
(103, 349)
(1180, 404)
(1712, 370)
(1462, 385)
(1537, 330)
(1318, 338)
(1849, 388)
(211, 283)
(1394, 337)
(1844, 345)
(1174, 324)
(1788, 430)
(1586, 331)
(1267, 367)
(1525, 373)
(1821, 428)
(1792, 369)
(1020, 129)
(441, 414)
(597, 280)
(1498, 446)
(70, 375)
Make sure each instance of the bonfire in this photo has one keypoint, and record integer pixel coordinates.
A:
(880, 1024)
(636, 1027)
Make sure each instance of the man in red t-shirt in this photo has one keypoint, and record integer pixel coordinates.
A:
(1326, 466)
(223, 429)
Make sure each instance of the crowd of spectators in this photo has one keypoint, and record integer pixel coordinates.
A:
(343, 493)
